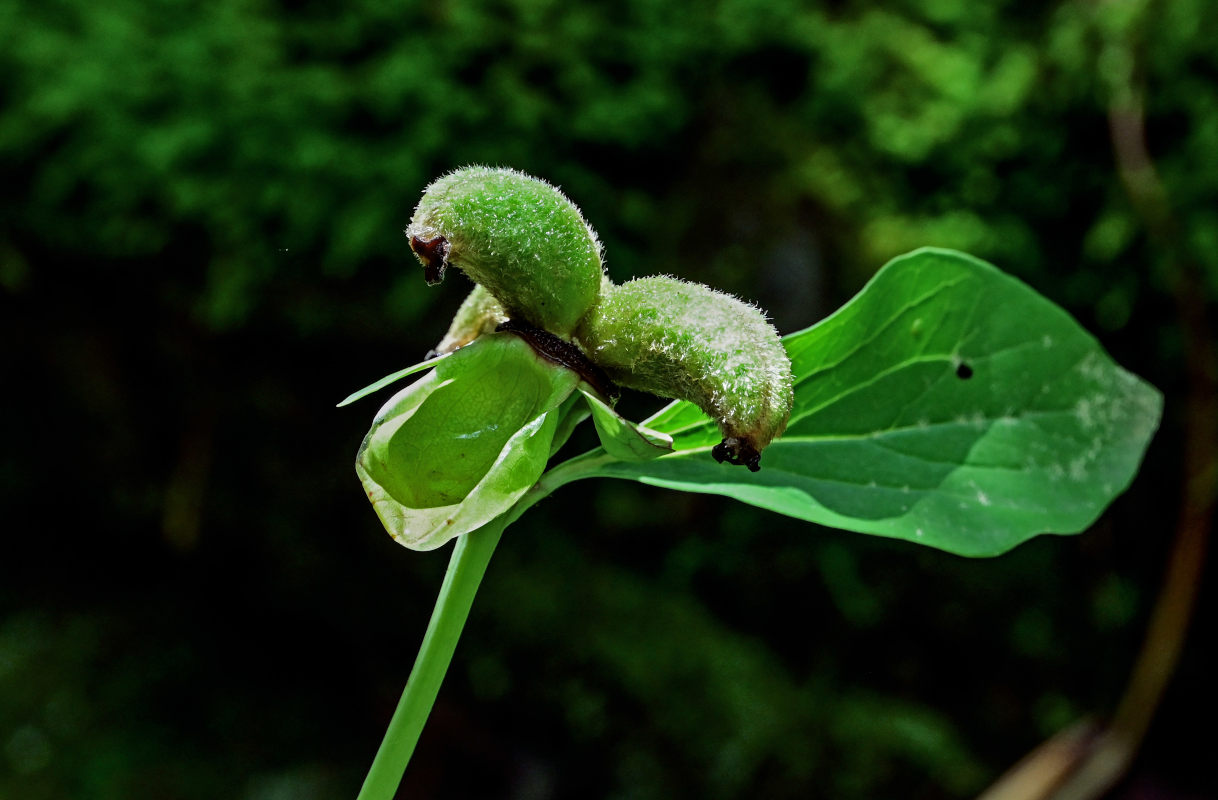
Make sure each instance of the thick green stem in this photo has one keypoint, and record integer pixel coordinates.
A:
(470, 557)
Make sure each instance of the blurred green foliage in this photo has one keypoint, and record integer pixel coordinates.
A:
(200, 252)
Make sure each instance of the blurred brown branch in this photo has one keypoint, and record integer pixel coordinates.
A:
(1087, 760)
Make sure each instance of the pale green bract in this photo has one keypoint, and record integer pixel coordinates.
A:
(458, 447)
(621, 438)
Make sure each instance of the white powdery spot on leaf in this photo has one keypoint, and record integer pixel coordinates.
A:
(1093, 368)
(1084, 411)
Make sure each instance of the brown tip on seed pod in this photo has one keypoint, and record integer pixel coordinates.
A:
(740, 452)
(434, 255)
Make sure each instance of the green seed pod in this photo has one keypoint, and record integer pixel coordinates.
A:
(479, 314)
(688, 342)
(518, 236)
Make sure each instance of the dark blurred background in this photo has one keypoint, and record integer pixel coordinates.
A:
(201, 252)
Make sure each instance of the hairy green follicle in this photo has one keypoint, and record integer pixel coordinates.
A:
(686, 341)
(537, 264)
(480, 313)
(515, 235)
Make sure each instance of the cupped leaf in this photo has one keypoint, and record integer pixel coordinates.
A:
(621, 438)
(947, 404)
(458, 447)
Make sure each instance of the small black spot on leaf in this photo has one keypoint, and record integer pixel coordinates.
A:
(964, 371)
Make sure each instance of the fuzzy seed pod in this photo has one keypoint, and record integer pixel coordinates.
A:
(688, 342)
(517, 236)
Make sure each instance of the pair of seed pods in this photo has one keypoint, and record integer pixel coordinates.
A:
(538, 269)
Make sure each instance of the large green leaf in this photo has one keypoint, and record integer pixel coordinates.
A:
(948, 404)
(458, 447)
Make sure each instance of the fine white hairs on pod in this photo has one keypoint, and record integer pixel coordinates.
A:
(518, 236)
(688, 342)
(539, 272)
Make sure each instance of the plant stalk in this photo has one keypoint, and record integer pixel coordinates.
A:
(471, 555)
